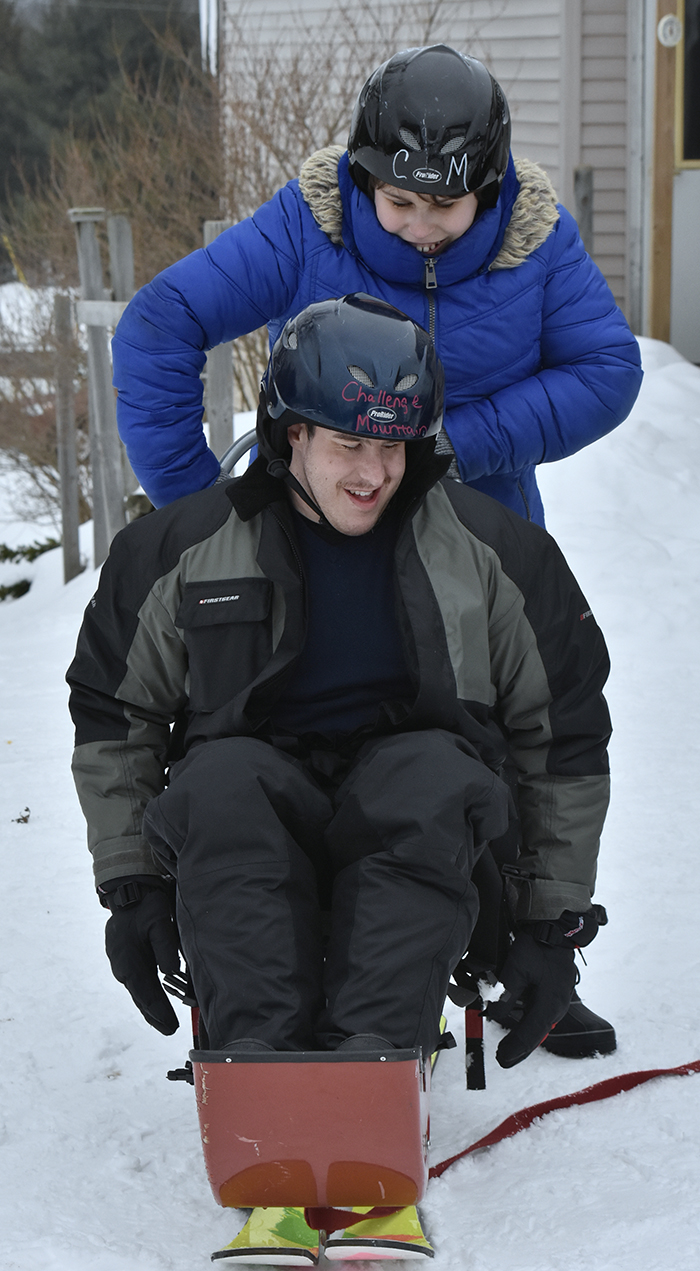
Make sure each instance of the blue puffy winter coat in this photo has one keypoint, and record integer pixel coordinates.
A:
(538, 359)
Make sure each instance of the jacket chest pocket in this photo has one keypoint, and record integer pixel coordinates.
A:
(228, 634)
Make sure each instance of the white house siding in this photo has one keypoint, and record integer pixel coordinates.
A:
(563, 66)
(519, 40)
(604, 140)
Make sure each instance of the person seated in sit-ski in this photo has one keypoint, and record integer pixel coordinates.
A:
(351, 646)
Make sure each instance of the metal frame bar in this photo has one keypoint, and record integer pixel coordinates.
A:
(238, 450)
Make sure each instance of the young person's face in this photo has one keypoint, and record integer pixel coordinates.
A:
(427, 225)
(351, 478)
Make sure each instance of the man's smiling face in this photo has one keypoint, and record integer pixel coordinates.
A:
(351, 478)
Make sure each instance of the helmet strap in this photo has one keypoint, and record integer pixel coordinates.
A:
(280, 468)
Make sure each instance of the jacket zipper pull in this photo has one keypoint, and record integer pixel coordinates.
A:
(430, 277)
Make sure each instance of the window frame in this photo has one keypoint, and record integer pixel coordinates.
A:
(681, 163)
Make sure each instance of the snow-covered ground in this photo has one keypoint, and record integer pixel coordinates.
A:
(100, 1160)
(25, 314)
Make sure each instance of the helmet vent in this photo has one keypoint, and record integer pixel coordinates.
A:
(455, 143)
(406, 382)
(358, 374)
(409, 139)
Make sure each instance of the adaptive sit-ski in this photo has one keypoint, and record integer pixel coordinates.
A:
(329, 1149)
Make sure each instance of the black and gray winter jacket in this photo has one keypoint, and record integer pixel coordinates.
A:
(200, 615)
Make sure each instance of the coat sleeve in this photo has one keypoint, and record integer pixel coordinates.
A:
(589, 376)
(127, 684)
(549, 666)
(246, 277)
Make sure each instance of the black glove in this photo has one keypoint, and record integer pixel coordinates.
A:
(542, 978)
(539, 977)
(140, 937)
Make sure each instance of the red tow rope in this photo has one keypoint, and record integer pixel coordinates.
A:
(591, 1094)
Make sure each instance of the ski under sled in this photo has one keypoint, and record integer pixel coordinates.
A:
(282, 1237)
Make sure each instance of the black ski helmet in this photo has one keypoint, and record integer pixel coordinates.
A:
(355, 365)
(433, 121)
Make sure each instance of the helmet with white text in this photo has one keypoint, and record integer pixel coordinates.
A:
(432, 121)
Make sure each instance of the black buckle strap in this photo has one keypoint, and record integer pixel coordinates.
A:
(545, 932)
(130, 891)
(123, 896)
(127, 894)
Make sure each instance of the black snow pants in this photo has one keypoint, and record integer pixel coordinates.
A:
(252, 837)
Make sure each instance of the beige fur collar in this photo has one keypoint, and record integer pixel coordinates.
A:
(318, 182)
(533, 218)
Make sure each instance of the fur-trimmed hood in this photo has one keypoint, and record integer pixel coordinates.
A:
(534, 215)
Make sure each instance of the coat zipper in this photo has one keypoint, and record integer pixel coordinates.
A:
(430, 287)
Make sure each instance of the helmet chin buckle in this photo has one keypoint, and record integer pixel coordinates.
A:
(278, 468)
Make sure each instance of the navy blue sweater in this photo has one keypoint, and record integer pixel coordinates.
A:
(352, 659)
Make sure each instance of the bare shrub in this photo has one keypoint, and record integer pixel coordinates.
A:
(159, 163)
(28, 413)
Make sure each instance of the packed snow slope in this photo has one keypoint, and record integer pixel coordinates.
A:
(101, 1162)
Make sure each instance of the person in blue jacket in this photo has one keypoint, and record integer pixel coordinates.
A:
(427, 210)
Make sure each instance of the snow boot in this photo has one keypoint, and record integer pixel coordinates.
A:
(581, 1033)
(247, 1046)
(398, 1236)
(366, 1041)
(274, 1237)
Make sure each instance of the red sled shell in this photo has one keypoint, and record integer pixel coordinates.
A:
(314, 1129)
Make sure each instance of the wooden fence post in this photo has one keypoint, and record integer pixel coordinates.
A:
(662, 183)
(105, 454)
(121, 257)
(219, 386)
(121, 276)
(65, 436)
